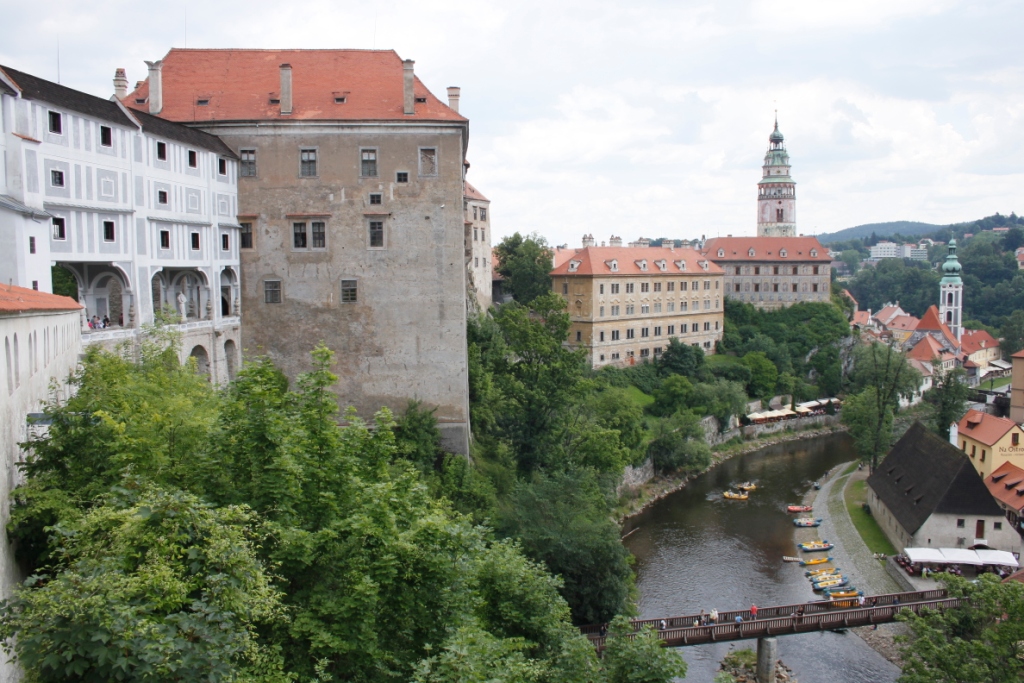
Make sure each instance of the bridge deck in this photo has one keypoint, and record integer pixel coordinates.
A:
(781, 620)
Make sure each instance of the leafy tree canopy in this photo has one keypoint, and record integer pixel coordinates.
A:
(525, 263)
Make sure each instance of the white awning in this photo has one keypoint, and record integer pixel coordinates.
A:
(1000, 558)
(924, 555)
(1001, 364)
(960, 556)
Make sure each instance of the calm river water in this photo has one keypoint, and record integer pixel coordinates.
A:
(696, 550)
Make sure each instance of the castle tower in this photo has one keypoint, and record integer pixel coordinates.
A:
(776, 191)
(951, 292)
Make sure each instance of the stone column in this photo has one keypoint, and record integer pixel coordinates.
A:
(767, 654)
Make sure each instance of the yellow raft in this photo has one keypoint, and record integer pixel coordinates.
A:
(735, 496)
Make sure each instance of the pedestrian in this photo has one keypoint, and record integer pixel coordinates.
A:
(739, 621)
(604, 630)
(860, 601)
(703, 618)
(662, 625)
(753, 612)
(714, 616)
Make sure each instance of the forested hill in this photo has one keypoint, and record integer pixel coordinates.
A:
(906, 228)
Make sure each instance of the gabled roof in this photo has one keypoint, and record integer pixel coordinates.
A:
(634, 261)
(473, 193)
(887, 313)
(860, 318)
(849, 296)
(988, 429)
(924, 475)
(904, 323)
(932, 323)
(972, 341)
(1006, 484)
(239, 84)
(154, 125)
(35, 88)
(14, 299)
(926, 349)
(765, 249)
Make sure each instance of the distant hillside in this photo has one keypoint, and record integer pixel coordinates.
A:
(905, 228)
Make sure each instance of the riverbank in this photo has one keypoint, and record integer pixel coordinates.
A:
(642, 497)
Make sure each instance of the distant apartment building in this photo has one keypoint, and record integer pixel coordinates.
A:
(772, 272)
(142, 212)
(626, 303)
(885, 249)
(352, 207)
(478, 245)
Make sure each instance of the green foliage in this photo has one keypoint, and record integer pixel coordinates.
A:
(722, 400)
(679, 444)
(870, 419)
(525, 263)
(949, 394)
(734, 372)
(913, 283)
(675, 393)
(885, 368)
(763, 374)
(683, 359)
(979, 642)
(1012, 333)
(852, 259)
(417, 438)
(64, 283)
(150, 585)
(638, 657)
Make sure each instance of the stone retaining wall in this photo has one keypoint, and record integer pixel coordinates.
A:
(898, 575)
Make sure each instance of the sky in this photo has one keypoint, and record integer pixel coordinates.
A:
(643, 118)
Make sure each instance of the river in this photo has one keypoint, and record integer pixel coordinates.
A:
(697, 550)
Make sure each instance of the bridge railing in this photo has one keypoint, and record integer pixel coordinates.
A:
(790, 624)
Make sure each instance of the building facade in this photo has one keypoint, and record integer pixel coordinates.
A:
(42, 340)
(139, 210)
(776, 191)
(772, 272)
(988, 441)
(351, 191)
(478, 246)
(626, 303)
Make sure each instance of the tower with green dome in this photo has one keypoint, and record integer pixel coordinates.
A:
(776, 191)
(951, 292)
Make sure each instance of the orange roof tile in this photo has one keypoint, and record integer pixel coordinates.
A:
(932, 323)
(473, 193)
(631, 261)
(926, 349)
(987, 429)
(903, 322)
(14, 299)
(976, 340)
(860, 318)
(1006, 484)
(849, 296)
(238, 86)
(765, 249)
(887, 313)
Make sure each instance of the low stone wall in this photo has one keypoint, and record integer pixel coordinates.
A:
(898, 575)
(634, 477)
(753, 431)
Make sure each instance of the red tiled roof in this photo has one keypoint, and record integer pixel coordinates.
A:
(238, 85)
(987, 429)
(765, 249)
(932, 323)
(1019, 354)
(860, 318)
(903, 322)
(473, 193)
(598, 260)
(887, 313)
(495, 275)
(1006, 484)
(560, 255)
(15, 299)
(849, 296)
(976, 340)
(926, 349)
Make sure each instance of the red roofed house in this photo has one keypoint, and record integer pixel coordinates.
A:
(988, 441)
(980, 346)
(901, 327)
(351, 192)
(626, 303)
(1006, 484)
(772, 272)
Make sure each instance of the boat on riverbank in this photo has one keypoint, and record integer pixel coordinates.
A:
(799, 508)
(836, 582)
(815, 546)
(817, 574)
(806, 522)
(848, 592)
(814, 560)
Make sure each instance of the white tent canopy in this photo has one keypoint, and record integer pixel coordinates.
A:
(980, 557)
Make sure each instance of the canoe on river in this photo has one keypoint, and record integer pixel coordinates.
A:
(747, 486)
(806, 522)
(815, 546)
(798, 508)
(731, 495)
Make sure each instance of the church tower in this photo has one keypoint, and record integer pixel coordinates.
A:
(951, 292)
(776, 192)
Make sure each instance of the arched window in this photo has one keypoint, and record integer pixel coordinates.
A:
(10, 367)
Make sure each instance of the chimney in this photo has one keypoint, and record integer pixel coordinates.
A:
(408, 78)
(453, 98)
(156, 87)
(615, 241)
(588, 241)
(120, 84)
(286, 89)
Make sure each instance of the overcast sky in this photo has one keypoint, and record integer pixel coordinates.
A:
(644, 118)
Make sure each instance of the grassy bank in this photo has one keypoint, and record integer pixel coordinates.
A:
(872, 534)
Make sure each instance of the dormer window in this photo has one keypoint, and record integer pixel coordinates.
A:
(340, 99)
(782, 253)
(574, 265)
(642, 264)
(681, 265)
(721, 253)
(750, 253)
(613, 265)
(662, 265)
(704, 265)
(814, 253)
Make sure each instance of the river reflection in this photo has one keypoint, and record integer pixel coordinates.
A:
(697, 550)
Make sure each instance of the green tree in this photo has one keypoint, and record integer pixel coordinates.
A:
(978, 642)
(870, 419)
(638, 657)
(417, 438)
(1012, 332)
(152, 585)
(763, 374)
(64, 283)
(852, 259)
(675, 393)
(525, 263)
(722, 400)
(682, 359)
(949, 394)
(885, 368)
(678, 443)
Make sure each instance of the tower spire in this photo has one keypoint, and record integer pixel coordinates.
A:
(776, 191)
(951, 292)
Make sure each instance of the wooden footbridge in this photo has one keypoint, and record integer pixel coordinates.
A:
(783, 620)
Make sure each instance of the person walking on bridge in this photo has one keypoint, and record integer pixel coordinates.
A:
(753, 612)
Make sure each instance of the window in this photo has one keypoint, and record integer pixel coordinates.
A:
(476, 263)
(959, 524)
(695, 327)
(299, 236)
(565, 288)
(247, 167)
(35, 285)
(59, 232)
(57, 178)
(376, 198)
(476, 213)
(983, 455)
(645, 287)
(644, 353)
(615, 289)
(974, 451)
(775, 288)
(737, 287)
(195, 241)
(32, 250)
(225, 242)
(629, 287)
(682, 286)
(428, 161)
(319, 234)
(161, 196)
(108, 231)
(657, 308)
(377, 234)
(757, 287)
(778, 215)
(246, 235)
(307, 163)
(757, 270)
(682, 307)
(339, 99)
(670, 287)
(615, 335)
(645, 309)
(349, 292)
(815, 269)
(165, 239)
(657, 351)
(671, 330)
(707, 284)
(707, 327)
(657, 331)
(193, 159)
(630, 334)
(600, 336)
(271, 291)
(657, 286)
(615, 310)
(814, 287)
(161, 151)
(106, 136)
(579, 335)
(1014, 438)
(368, 167)
(630, 309)
(645, 332)
(483, 213)
(600, 289)
(56, 123)
(601, 314)
(222, 166)
(670, 307)
(997, 526)
(402, 177)
(203, 102)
